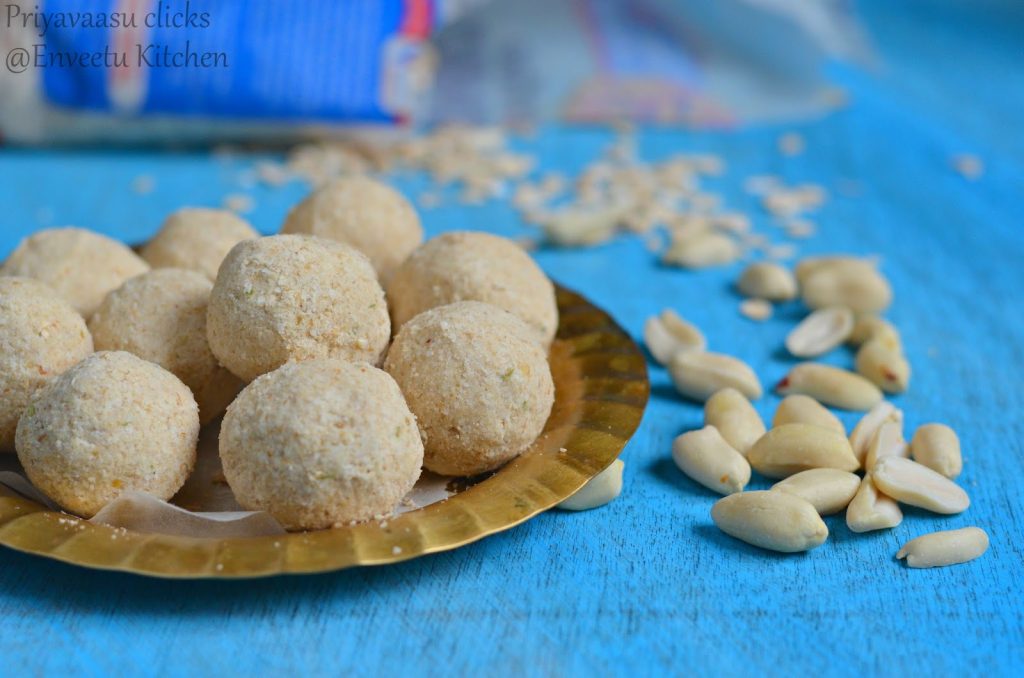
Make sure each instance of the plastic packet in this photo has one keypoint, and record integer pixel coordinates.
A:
(222, 70)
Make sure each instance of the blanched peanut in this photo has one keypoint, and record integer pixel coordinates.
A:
(869, 326)
(883, 366)
(948, 547)
(871, 510)
(575, 227)
(767, 280)
(864, 431)
(599, 490)
(698, 375)
(854, 284)
(667, 334)
(820, 332)
(683, 330)
(830, 386)
(756, 309)
(792, 448)
(702, 249)
(801, 409)
(937, 447)
(772, 520)
(659, 342)
(887, 442)
(707, 458)
(808, 265)
(829, 490)
(731, 413)
(911, 483)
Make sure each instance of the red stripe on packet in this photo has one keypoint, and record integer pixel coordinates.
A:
(416, 21)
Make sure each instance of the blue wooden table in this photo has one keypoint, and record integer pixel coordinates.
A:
(646, 584)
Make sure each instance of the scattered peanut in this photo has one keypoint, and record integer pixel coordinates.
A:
(701, 250)
(829, 490)
(871, 510)
(733, 222)
(911, 483)
(668, 334)
(577, 226)
(599, 490)
(887, 442)
(820, 332)
(771, 520)
(969, 166)
(756, 309)
(789, 202)
(864, 431)
(735, 418)
(780, 252)
(707, 458)
(238, 202)
(948, 547)
(853, 283)
(800, 228)
(684, 331)
(810, 265)
(830, 386)
(792, 448)
(869, 326)
(801, 409)
(698, 375)
(883, 366)
(791, 143)
(937, 447)
(766, 280)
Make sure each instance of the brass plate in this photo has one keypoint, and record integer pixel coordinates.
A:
(601, 389)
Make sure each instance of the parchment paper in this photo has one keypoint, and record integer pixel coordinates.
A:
(204, 507)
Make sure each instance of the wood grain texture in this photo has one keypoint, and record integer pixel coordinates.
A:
(647, 584)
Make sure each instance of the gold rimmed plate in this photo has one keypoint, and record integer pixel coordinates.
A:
(601, 390)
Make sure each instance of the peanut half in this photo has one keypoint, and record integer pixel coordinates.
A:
(869, 326)
(829, 490)
(864, 431)
(830, 386)
(937, 447)
(668, 334)
(887, 442)
(852, 283)
(871, 510)
(801, 409)
(911, 483)
(820, 332)
(707, 458)
(701, 250)
(809, 265)
(884, 366)
(756, 309)
(735, 418)
(575, 227)
(599, 490)
(766, 280)
(699, 374)
(792, 448)
(948, 547)
(772, 520)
